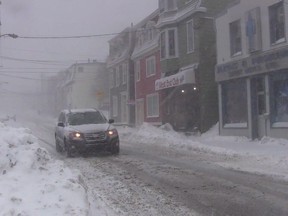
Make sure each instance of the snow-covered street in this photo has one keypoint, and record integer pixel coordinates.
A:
(158, 172)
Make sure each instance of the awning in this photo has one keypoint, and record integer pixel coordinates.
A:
(185, 75)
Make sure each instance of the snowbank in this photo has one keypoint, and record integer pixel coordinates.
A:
(266, 156)
(32, 183)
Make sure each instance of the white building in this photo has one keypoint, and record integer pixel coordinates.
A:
(252, 68)
(85, 85)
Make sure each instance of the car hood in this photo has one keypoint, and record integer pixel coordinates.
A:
(89, 128)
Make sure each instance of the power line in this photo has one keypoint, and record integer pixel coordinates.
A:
(68, 37)
(29, 72)
(18, 77)
(130, 30)
(52, 78)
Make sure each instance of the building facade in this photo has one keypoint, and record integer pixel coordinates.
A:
(252, 69)
(188, 59)
(121, 76)
(146, 58)
(83, 85)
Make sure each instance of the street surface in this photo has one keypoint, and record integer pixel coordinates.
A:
(153, 180)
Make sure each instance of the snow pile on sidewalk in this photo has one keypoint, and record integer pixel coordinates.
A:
(266, 156)
(32, 183)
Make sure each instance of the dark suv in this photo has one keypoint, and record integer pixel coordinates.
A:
(85, 130)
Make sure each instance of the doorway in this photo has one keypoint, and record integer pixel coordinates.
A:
(139, 112)
(259, 106)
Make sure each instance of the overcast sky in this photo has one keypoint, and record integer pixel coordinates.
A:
(33, 18)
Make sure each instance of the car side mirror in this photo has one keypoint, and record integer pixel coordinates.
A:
(111, 121)
(60, 124)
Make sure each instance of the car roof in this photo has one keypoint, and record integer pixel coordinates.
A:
(66, 111)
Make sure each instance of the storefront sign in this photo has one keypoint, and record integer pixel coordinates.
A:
(262, 63)
(185, 76)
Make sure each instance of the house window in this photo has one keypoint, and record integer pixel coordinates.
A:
(163, 45)
(169, 43)
(170, 5)
(172, 42)
(115, 106)
(80, 69)
(277, 23)
(234, 103)
(161, 5)
(167, 5)
(120, 74)
(190, 37)
(150, 66)
(117, 77)
(253, 30)
(137, 70)
(235, 38)
(280, 97)
(152, 105)
(125, 72)
(112, 78)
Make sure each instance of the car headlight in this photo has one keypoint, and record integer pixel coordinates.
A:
(112, 133)
(75, 136)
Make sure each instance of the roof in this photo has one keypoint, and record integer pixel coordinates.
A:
(80, 110)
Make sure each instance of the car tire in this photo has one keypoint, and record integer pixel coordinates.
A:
(68, 151)
(115, 149)
(58, 147)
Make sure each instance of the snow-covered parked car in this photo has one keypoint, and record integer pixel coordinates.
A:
(85, 130)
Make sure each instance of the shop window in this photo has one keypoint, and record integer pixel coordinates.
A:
(277, 23)
(152, 105)
(280, 96)
(235, 38)
(261, 95)
(234, 103)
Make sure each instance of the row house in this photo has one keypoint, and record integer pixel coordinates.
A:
(252, 69)
(121, 76)
(170, 57)
(146, 58)
(83, 85)
(188, 58)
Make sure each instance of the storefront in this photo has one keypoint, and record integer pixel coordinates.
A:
(253, 95)
(180, 105)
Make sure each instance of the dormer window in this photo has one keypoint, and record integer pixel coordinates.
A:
(167, 5)
(170, 5)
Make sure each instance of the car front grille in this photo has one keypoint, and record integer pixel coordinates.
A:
(95, 137)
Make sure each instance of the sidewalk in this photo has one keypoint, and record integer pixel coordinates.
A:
(267, 156)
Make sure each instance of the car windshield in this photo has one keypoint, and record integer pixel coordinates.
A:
(86, 118)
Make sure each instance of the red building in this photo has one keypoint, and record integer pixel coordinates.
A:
(146, 57)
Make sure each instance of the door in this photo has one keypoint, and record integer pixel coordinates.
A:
(260, 92)
(139, 112)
